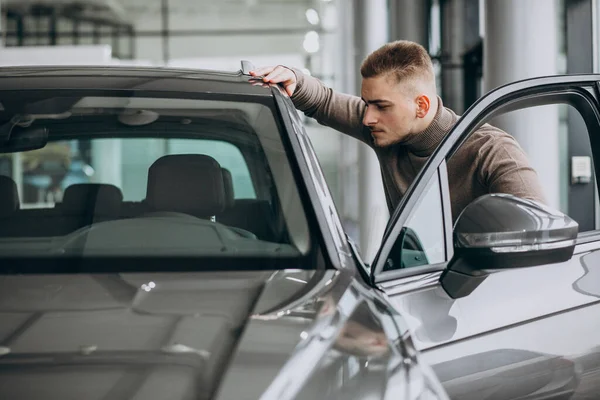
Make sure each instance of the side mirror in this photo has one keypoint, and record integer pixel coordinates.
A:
(502, 231)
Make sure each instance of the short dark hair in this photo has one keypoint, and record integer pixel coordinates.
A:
(402, 59)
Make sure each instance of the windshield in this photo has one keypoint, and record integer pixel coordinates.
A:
(93, 175)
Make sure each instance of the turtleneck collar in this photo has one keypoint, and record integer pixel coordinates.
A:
(422, 144)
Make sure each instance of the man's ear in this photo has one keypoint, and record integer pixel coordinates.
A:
(423, 105)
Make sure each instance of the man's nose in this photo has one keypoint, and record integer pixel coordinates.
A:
(369, 119)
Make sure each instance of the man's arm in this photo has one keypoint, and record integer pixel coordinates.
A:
(504, 168)
(339, 111)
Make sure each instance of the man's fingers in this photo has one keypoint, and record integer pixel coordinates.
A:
(262, 71)
(276, 74)
(275, 71)
(279, 76)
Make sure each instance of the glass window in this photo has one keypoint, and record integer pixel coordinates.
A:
(226, 154)
(549, 149)
(147, 176)
(130, 158)
(421, 241)
(138, 154)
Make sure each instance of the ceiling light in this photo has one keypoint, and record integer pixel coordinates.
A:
(312, 16)
(311, 42)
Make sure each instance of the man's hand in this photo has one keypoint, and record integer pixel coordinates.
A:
(279, 74)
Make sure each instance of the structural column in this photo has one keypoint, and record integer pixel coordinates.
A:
(453, 13)
(520, 41)
(345, 72)
(371, 29)
(409, 20)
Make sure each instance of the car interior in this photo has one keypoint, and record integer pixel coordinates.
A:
(203, 193)
(189, 196)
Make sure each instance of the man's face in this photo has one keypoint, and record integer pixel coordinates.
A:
(391, 112)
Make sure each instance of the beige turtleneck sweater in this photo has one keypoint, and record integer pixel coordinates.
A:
(490, 161)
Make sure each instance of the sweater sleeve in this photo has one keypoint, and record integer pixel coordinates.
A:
(339, 111)
(504, 168)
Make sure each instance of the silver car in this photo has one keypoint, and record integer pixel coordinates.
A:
(169, 234)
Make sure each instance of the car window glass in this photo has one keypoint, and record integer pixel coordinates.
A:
(544, 146)
(174, 177)
(136, 155)
(226, 154)
(534, 150)
(421, 241)
(229, 156)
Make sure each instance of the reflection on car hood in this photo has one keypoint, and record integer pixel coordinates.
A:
(147, 335)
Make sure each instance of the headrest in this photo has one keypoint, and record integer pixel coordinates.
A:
(92, 198)
(9, 196)
(186, 183)
(229, 193)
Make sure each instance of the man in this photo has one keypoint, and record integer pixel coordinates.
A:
(403, 119)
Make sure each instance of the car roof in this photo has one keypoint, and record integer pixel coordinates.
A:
(129, 78)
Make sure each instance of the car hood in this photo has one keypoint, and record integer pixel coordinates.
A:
(160, 335)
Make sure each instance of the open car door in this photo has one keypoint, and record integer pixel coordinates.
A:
(503, 301)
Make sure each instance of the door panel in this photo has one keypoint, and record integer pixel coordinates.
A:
(500, 301)
(541, 324)
(557, 357)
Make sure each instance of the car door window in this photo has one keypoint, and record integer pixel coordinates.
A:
(421, 240)
(556, 142)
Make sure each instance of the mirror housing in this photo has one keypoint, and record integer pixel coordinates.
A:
(502, 231)
(24, 139)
